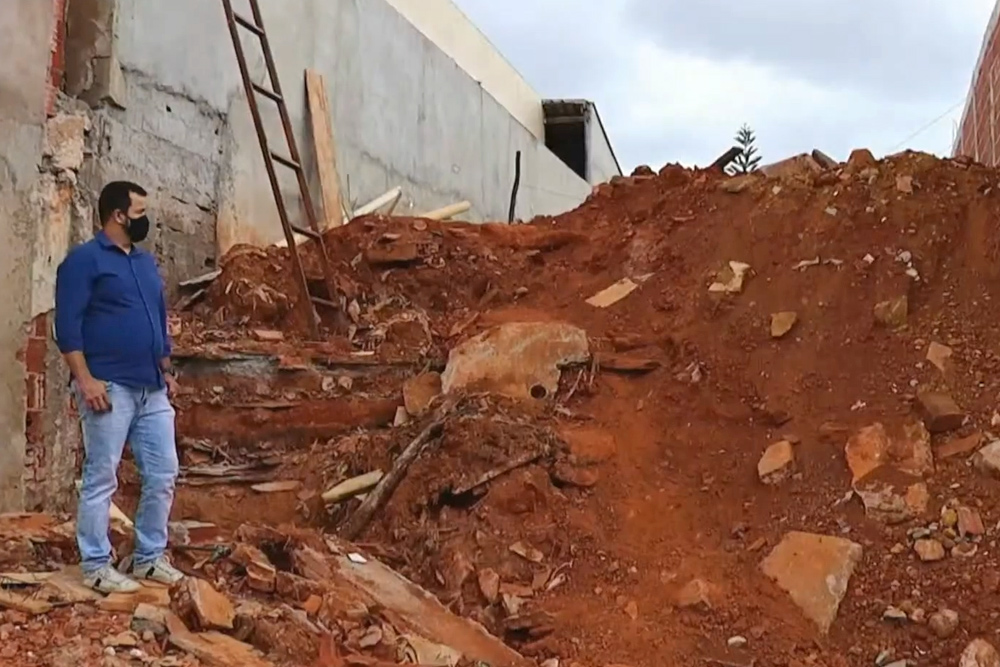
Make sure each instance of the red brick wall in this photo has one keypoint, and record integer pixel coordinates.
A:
(57, 58)
(33, 356)
(979, 133)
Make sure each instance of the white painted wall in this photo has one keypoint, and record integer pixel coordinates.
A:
(442, 22)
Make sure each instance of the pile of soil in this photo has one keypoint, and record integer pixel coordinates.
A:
(878, 260)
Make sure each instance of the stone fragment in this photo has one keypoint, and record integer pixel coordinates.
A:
(979, 653)
(777, 463)
(943, 623)
(519, 359)
(698, 594)
(268, 335)
(192, 532)
(571, 475)
(939, 356)
(905, 184)
(213, 610)
(730, 280)
(213, 648)
(814, 570)
(861, 158)
(987, 459)
(737, 184)
(419, 391)
(970, 523)
(892, 496)
(939, 411)
(261, 574)
(65, 140)
(929, 550)
(908, 449)
(489, 584)
(892, 312)
(959, 446)
(149, 618)
(782, 323)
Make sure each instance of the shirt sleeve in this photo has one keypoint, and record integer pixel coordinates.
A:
(74, 285)
(168, 345)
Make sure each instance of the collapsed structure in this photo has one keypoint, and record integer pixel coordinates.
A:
(734, 420)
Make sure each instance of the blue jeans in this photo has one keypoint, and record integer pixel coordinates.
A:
(145, 419)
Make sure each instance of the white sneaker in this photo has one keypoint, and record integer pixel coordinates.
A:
(160, 571)
(109, 580)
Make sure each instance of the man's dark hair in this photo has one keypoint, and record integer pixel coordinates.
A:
(117, 196)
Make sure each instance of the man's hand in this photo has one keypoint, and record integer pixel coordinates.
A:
(173, 388)
(95, 393)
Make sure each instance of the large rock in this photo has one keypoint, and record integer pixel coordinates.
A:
(777, 463)
(519, 359)
(814, 570)
(987, 459)
(892, 313)
(419, 391)
(213, 610)
(979, 653)
(892, 496)
(908, 449)
(939, 412)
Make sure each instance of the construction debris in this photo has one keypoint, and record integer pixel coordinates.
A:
(602, 462)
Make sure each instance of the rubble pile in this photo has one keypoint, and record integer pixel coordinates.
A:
(744, 420)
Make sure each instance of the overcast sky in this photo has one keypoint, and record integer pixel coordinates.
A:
(674, 79)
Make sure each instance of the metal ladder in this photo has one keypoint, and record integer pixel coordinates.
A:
(256, 27)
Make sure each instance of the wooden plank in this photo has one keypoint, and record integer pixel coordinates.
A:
(325, 147)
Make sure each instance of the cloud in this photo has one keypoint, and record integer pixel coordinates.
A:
(909, 49)
(673, 80)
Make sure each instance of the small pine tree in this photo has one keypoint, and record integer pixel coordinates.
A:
(748, 159)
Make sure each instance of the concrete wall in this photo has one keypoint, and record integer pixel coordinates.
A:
(979, 131)
(442, 22)
(404, 113)
(26, 27)
(601, 161)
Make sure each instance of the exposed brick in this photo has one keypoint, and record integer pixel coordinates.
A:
(33, 356)
(34, 398)
(34, 427)
(40, 326)
(57, 57)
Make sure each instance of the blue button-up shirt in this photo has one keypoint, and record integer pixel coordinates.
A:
(110, 306)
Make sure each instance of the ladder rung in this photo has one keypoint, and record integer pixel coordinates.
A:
(323, 302)
(270, 94)
(285, 161)
(249, 25)
(305, 231)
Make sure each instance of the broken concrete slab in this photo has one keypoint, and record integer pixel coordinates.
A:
(411, 609)
(521, 359)
(613, 294)
(907, 448)
(213, 610)
(213, 648)
(814, 570)
(892, 496)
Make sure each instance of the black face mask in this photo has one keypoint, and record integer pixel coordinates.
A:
(137, 229)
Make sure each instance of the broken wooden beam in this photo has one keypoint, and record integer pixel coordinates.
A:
(447, 212)
(380, 495)
(325, 147)
(723, 160)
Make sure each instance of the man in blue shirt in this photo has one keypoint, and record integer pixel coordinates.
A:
(111, 326)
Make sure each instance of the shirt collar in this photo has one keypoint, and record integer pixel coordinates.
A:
(108, 244)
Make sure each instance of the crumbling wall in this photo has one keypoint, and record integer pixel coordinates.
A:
(26, 28)
(404, 113)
